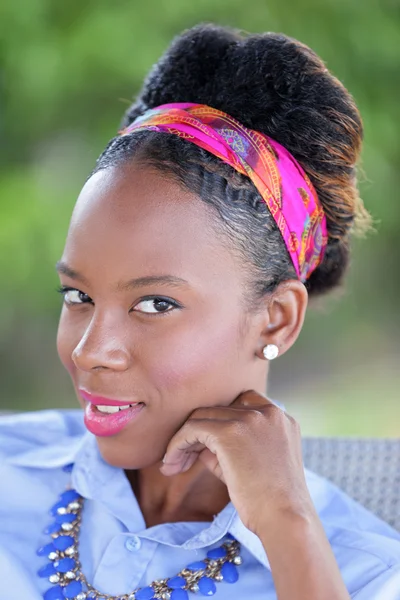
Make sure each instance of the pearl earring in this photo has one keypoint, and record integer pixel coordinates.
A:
(271, 351)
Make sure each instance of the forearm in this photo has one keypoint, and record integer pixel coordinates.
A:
(302, 562)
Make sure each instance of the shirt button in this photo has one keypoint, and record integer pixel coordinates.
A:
(133, 543)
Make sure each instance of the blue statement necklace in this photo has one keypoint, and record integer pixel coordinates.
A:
(64, 570)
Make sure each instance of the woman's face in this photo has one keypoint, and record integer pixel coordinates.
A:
(160, 319)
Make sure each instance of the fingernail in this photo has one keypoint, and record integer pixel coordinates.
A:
(164, 458)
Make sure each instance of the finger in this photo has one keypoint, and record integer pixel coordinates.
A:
(205, 456)
(251, 398)
(220, 413)
(186, 445)
(211, 461)
(208, 459)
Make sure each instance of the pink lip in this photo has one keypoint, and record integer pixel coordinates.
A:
(104, 425)
(101, 401)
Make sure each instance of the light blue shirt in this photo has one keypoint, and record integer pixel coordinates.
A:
(118, 553)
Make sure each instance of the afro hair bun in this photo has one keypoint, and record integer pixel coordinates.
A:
(280, 87)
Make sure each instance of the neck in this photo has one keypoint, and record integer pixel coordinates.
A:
(196, 495)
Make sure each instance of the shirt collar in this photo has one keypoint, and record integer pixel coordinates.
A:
(92, 477)
(57, 448)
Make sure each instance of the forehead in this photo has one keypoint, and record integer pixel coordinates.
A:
(136, 218)
(131, 194)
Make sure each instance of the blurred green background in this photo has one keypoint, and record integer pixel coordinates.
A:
(67, 73)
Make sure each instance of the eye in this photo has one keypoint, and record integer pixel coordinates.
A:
(73, 296)
(156, 305)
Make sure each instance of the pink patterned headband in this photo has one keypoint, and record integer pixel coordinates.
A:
(278, 177)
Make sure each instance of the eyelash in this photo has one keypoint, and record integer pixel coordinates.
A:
(64, 289)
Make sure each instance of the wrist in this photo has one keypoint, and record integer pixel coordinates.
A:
(292, 519)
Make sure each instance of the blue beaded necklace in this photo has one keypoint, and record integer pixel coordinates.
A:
(64, 570)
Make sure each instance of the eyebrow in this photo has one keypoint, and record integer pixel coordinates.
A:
(63, 268)
(170, 280)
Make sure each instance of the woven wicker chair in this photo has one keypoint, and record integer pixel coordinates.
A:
(368, 470)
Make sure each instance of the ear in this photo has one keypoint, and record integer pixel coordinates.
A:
(286, 308)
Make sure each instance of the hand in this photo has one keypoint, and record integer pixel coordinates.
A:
(254, 447)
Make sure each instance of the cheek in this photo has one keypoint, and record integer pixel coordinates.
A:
(197, 361)
(66, 342)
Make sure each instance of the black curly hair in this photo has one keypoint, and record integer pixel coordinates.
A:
(280, 87)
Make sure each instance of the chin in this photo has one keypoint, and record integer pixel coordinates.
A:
(122, 456)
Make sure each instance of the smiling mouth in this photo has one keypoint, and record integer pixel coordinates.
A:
(105, 420)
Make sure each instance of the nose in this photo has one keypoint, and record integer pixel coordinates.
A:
(103, 346)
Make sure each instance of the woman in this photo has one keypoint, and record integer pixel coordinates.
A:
(191, 253)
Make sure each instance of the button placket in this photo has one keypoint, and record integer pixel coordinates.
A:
(127, 557)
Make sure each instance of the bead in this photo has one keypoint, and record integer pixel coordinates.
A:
(52, 528)
(62, 510)
(237, 560)
(54, 593)
(179, 595)
(176, 582)
(229, 572)
(207, 586)
(65, 564)
(216, 553)
(55, 507)
(63, 542)
(69, 496)
(131, 597)
(166, 596)
(146, 593)
(194, 588)
(74, 506)
(197, 565)
(81, 596)
(72, 589)
(67, 527)
(68, 518)
(70, 575)
(54, 578)
(70, 551)
(218, 577)
(44, 550)
(47, 570)
(53, 556)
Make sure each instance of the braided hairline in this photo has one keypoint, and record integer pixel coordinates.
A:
(241, 213)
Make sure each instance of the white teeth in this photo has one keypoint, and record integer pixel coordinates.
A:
(112, 409)
(107, 409)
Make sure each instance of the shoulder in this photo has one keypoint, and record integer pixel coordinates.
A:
(24, 433)
(366, 548)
